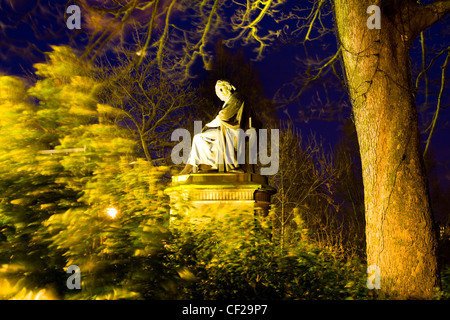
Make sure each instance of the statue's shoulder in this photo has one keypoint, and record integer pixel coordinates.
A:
(237, 97)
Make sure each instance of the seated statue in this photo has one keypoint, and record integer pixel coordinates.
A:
(214, 149)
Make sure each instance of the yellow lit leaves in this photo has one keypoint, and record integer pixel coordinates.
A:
(63, 64)
(21, 201)
(18, 292)
(104, 109)
(185, 274)
(11, 89)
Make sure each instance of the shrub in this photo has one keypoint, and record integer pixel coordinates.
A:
(235, 258)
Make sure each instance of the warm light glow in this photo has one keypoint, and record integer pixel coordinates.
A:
(180, 178)
(111, 212)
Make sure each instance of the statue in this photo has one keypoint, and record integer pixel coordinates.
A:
(214, 149)
(236, 186)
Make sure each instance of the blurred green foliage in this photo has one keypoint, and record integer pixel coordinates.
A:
(53, 213)
(236, 258)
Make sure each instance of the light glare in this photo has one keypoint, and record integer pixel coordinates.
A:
(111, 212)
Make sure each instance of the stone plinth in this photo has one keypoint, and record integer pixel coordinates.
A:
(213, 194)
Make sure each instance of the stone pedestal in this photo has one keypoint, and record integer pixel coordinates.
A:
(211, 195)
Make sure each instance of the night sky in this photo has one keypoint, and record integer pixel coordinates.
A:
(29, 27)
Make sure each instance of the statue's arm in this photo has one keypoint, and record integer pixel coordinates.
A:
(214, 123)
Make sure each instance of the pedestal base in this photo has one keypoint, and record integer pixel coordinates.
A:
(214, 194)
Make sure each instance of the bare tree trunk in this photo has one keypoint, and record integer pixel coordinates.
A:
(399, 226)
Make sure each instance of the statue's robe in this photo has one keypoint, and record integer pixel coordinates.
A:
(217, 144)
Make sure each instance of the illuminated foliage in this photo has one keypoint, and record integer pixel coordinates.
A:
(51, 152)
(28, 195)
(108, 248)
(73, 192)
(135, 254)
(234, 257)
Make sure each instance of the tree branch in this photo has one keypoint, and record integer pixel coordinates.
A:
(426, 15)
(433, 123)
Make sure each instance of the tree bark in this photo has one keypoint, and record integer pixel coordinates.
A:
(400, 235)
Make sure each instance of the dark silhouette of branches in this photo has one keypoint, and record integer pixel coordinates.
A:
(317, 192)
(151, 105)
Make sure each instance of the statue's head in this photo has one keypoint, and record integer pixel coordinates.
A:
(224, 89)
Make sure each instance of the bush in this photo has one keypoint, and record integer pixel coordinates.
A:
(235, 258)
(139, 255)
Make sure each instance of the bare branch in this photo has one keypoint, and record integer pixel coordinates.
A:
(425, 70)
(436, 114)
(423, 16)
(149, 31)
